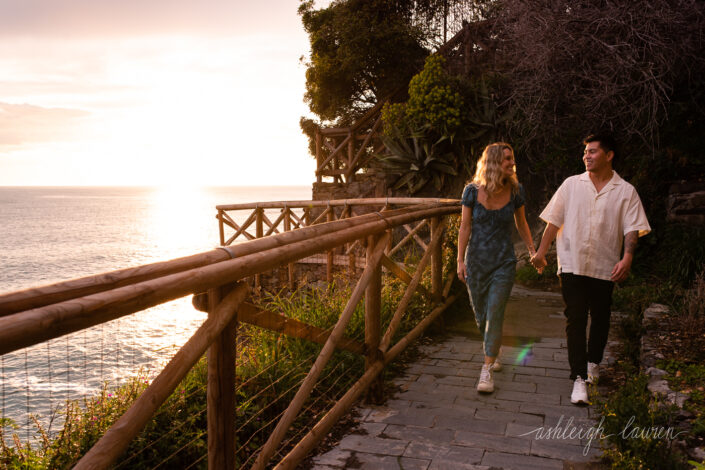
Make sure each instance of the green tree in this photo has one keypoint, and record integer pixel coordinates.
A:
(361, 52)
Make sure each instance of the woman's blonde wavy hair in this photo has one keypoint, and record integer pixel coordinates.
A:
(489, 169)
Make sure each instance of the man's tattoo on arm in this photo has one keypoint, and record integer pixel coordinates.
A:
(630, 242)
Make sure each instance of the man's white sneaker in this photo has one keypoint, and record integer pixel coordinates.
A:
(486, 384)
(579, 394)
(593, 371)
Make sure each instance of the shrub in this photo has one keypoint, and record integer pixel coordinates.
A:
(630, 410)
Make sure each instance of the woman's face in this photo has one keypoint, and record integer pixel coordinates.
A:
(508, 163)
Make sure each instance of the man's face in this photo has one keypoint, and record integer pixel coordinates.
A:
(595, 158)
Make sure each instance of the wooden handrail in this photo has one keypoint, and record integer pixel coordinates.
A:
(70, 306)
(36, 297)
(26, 328)
(339, 202)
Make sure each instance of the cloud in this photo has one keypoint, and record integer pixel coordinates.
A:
(22, 124)
(88, 18)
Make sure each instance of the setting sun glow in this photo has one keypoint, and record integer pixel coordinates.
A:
(208, 95)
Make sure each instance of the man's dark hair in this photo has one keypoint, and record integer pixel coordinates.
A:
(607, 142)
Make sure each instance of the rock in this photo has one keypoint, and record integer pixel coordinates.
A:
(686, 202)
(658, 385)
(677, 398)
(697, 453)
(654, 312)
(656, 372)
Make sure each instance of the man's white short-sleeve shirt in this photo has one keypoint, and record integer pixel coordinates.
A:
(592, 225)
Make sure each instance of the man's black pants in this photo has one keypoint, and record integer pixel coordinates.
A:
(583, 295)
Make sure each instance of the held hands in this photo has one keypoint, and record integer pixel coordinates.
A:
(538, 261)
(461, 270)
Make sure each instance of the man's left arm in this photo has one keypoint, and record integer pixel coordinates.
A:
(621, 269)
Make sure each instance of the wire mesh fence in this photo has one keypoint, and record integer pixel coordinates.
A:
(40, 384)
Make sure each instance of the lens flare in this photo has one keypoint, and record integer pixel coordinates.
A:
(524, 355)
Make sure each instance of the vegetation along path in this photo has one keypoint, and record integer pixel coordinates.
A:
(438, 420)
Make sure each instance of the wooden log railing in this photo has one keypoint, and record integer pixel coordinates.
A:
(215, 279)
(342, 151)
(315, 213)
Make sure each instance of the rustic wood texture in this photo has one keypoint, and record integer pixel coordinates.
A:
(220, 391)
(75, 314)
(409, 235)
(118, 437)
(221, 227)
(259, 228)
(275, 438)
(122, 292)
(437, 226)
(54, 293)
(405, 201)
(373, 322)
(33, 326)
(342, 406)
(398, 270)
(36, 297)
(408, 294)
(248, 313)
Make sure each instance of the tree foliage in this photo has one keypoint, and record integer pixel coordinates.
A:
(575, 67)
(361, 52)
(539, 74)
(434, 102)
(418, 134)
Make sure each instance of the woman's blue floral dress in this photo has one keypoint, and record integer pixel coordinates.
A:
(491, 264)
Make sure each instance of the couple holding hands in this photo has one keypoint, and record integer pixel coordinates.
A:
(596, 218)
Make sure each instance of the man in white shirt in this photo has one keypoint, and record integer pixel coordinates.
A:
(594, 215)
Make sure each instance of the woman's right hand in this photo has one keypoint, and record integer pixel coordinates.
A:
(539, 262)
(461, 270)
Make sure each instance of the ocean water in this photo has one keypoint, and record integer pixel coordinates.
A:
(51, 234)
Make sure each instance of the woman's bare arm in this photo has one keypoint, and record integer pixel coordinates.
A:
(463, 238)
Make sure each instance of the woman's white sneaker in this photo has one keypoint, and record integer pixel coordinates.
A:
(579, 394)
(496, 365)
(486, 384)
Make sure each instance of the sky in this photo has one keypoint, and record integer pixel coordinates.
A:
(152, 92)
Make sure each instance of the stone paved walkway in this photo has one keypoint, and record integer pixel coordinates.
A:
(438, 420)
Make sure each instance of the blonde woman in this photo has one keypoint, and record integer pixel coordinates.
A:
(492, 201)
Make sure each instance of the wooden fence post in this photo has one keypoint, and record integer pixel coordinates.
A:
(259, 227)
(373, 326)
(287, 228)
(275, 438)
(221, 392)
(319, 177)
(221, 228)
(350, 171)
(330, 217)
(437, 261)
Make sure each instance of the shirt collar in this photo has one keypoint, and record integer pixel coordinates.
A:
(614, 181)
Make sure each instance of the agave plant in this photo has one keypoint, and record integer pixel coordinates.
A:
(483, 115)
(417, 158)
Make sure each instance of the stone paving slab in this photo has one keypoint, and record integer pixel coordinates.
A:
(506, 461)
(438, 420)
